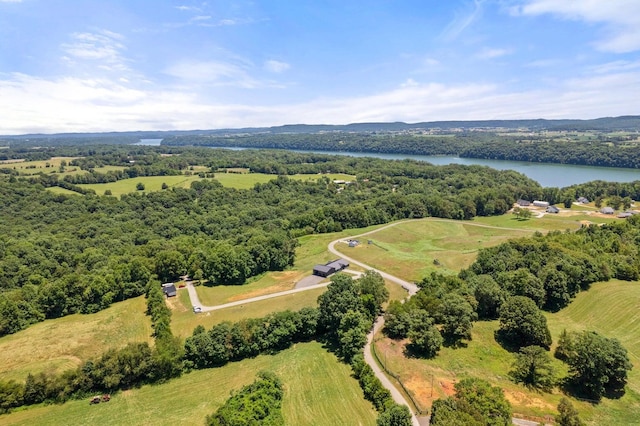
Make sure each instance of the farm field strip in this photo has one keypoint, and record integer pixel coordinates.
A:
(58, 344)
(327, 396)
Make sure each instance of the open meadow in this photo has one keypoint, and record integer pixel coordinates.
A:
(413, 249)
(318, 390)
(59, 344)
(608, 308)
(230, 180)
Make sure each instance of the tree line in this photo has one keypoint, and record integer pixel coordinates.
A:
(603, 151)
(513, 282)
(65, 254)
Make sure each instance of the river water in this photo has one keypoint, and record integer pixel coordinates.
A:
(547, 174)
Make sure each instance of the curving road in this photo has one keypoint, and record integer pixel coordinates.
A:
(411, 289)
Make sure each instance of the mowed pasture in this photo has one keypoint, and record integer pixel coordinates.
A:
(151, 184)
(318, 390)
(59, 344)
(608, 308)
(413, 249)
(184, 320)
(230, 180)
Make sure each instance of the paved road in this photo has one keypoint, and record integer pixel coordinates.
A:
(195, 301)
(411, 288)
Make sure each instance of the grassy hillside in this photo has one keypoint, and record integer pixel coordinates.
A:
(319, 390)
(151, 183)
(608, 308)
(63, 343)
(411, 249)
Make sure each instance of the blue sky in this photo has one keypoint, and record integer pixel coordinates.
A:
(115, 65)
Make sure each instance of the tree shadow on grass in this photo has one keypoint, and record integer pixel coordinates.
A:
(411, 351)
(507, 342)
(454, 343)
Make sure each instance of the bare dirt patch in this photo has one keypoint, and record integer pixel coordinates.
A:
(174, 304)
(522, 399)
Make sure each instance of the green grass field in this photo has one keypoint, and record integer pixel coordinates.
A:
(58, 190)
(411, 249)
(151, 183)
(248, 180)
(183, 320)
(319, 390)
(35, 167)
(154, 183)
(608, 308)
(63, 343)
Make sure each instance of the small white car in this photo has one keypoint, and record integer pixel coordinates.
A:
(197, 309)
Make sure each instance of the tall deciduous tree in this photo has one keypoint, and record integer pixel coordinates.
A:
(341, 296)
(532, 367)
(523, 324)
(457, 318)
(597, 365)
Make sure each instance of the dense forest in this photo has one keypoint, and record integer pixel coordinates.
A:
(63, 254)
(605, 151)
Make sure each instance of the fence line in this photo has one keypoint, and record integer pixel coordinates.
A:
(397, 378)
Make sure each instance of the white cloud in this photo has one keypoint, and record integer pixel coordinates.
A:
(31, 104)
(185, 8)
(213, 73)
(462, 20)
(103, 47)
(10, 1)
(620, 17)
(276, 66)
(488, 53)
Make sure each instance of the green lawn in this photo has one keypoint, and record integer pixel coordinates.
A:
(319, 390)
(608, 308)
(183, 320)
(58, 190)
(151, 183)
(248, 180)
(63, 343)
(413, 249)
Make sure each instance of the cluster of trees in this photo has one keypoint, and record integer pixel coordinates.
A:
(227, 341)
(442, 312)
(390, 413)
(257, 403)
(552, 269)
(598, 366)
(475, 403)
(168, 348)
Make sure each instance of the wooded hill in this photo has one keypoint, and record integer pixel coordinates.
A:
(63, 254)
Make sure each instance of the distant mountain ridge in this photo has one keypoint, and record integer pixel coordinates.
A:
(622, 123)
